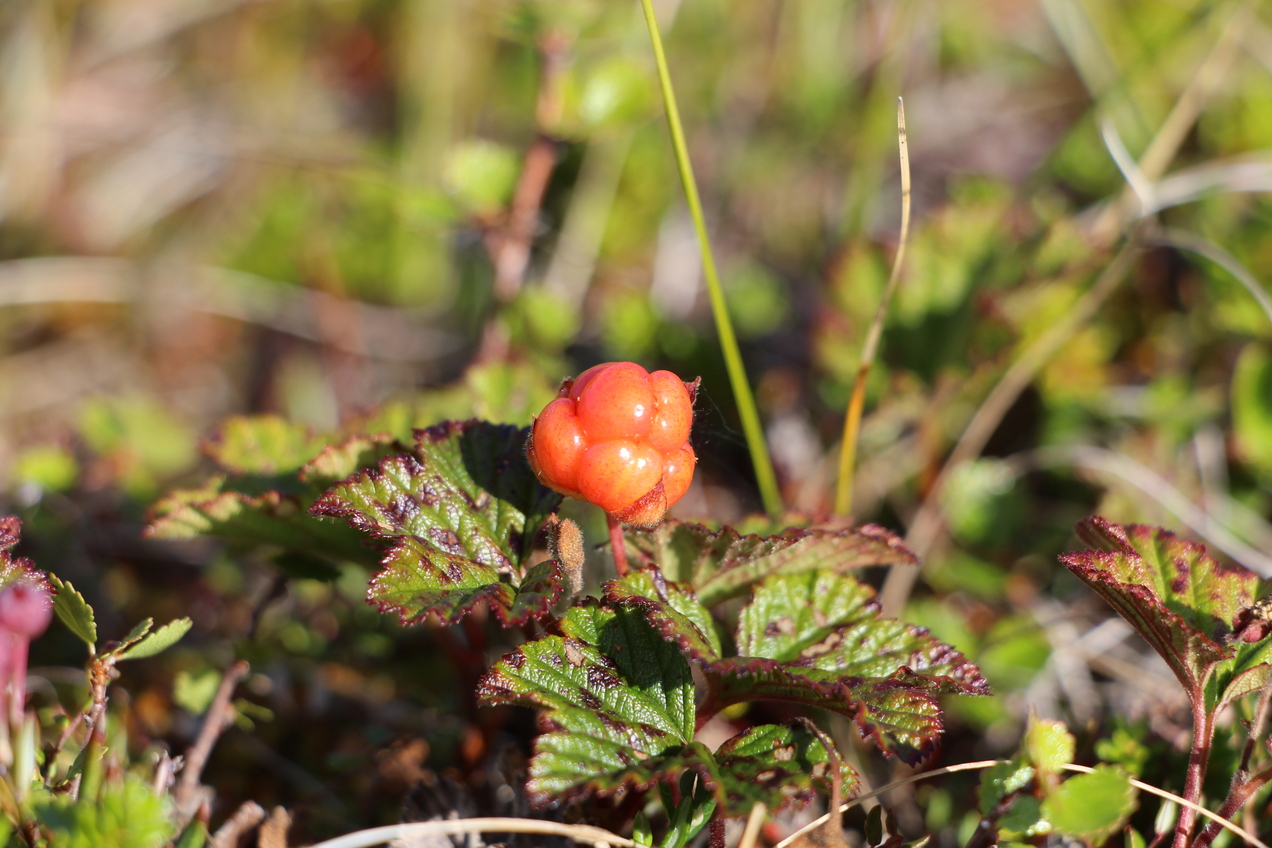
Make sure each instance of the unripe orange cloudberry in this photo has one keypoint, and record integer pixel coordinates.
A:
(618, 436)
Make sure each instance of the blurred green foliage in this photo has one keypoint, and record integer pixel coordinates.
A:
(360, 158)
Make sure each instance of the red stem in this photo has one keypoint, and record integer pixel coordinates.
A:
(1237, 799)
(1203, 734)
(617, 544)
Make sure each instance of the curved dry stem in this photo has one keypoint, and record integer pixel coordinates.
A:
(928, 521)
(852, 418)
(1155, 487)
(984, 764)
(1183, 240)
(582, 833)
(1174, 130)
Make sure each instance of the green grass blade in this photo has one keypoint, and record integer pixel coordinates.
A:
(764, 475)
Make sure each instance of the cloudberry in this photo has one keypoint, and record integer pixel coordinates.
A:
(618, 436)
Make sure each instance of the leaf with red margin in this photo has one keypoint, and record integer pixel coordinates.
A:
(817, 639)
(269, 518)
(671, 608)
(262, 445)
(16, 569)
(899, 715)
(780, 761)
(462, 513)
(1181, 600)
(619, 703)
(723, 564)
(814, 639)
(833, 621)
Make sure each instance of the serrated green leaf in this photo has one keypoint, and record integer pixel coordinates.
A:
(817, 638)
(620, 716)
(1181, 600)
(619, 701)
(139, 630)
(771, 761)
(158, 641)
(900, 718)
(128, 814)
(264, 445)
(720, 565)
(337, 461)
(672, 608)
(1048, 745)
(1091, 807)
(272, 518)
(73, 610)
(462, 514)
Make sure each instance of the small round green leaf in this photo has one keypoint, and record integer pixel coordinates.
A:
(1092, 806)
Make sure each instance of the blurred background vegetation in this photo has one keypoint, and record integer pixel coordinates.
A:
(311, 208)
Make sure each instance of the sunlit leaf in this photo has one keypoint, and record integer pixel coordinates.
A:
(158, 641)
(671, 608)
(73, 610)
(723, 564)
(1182, 601)
(461, 513)
(264, 445)
(620, 716)
(128, 814)
(271, 518)
(1091, 807)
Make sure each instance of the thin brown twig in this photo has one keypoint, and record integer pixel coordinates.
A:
(928, 521)
(1174, 130)
(244, 819)
(273, 832)
(583, 833)
(509, 244)
(856, 403)
(219, 716)
(984, 764)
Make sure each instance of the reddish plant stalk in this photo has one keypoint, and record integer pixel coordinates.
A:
(1237, 799)
(618, 544)
(1203, 735)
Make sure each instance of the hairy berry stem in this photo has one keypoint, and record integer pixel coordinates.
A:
(618, 545)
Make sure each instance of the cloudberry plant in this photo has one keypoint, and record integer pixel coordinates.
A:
(618, 436)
